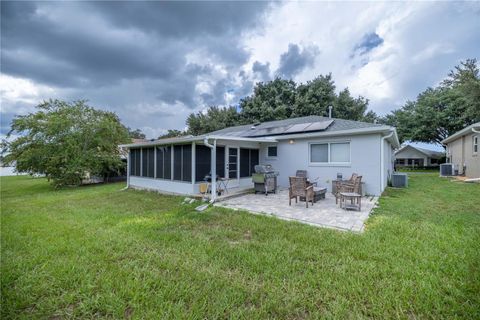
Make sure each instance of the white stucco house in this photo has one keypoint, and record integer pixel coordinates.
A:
(412, 156)
(322, 146)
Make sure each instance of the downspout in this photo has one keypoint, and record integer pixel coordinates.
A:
(382, 160)
(129, 163)
(213, 167)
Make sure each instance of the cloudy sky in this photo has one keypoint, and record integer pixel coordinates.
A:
(153, 63)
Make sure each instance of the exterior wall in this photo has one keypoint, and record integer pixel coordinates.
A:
(364, 160)
(461, 154)
(410, 153)
(161, 185)
(388, 162)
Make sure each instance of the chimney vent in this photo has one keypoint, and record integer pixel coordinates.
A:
(330, 111)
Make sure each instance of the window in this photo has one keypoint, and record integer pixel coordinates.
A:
(249, 158)
(475, 144)
(319, 153)
(332, 152)
(182, 162)
(135, 162)
(340, 152)
(272, 152)
(164, 162)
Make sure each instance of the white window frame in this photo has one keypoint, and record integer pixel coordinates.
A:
(475, 144)
(329, 163)
(272, 157)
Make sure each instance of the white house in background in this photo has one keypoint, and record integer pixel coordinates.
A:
(411, 156)
(463, 151)
(322, 146)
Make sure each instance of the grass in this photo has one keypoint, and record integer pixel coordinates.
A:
(100, 252)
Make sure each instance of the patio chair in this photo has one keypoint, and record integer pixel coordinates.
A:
(354, 187)
(339, 183)
(300, 188)
(303, 174)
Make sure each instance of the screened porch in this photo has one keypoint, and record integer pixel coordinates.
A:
(181, 167)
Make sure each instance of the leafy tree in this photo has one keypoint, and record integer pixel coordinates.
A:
(65, 141)
(172, 134)
(272, 100)
(281, 99)
(465, 81)
(215, 118)
(315, 96)
(136, 134)
(441, 111)
(348, 107)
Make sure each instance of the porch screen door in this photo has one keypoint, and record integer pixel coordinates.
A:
(232, 166)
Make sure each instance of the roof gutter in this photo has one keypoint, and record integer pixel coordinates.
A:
(333, 133)
(382, 159)
(458, 134)
(213, 167)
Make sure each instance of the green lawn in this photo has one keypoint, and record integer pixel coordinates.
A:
(103, 252)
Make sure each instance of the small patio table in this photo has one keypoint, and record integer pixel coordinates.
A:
(355, 200)
(223, 182)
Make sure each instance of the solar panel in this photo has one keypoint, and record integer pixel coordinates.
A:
(268, 131)
(298, 127)
(319, 126)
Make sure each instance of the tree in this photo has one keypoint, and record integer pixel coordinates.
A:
(136, 134)
(172, 134)
(441, 111)
(281, 99)
(465, 81)
(66, 141)
(215, 118)
(348, 107)
(315, 96)
(273, 100)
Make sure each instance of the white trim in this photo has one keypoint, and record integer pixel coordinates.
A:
(329, 164)
(382, 160)
(155, 162)
(129, 163)
(339, 133)
(462, 132)
(194, 160)
(141, 163)
(197, 139)
(171, 163)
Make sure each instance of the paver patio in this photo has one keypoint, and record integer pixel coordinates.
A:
(324, 213)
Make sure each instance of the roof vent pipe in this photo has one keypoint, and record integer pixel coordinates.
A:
(330, 111)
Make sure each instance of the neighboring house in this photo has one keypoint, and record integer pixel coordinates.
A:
(463, 151)
(322, 146)
(411, 156)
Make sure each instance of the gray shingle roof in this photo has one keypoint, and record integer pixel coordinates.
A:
(427, 152)
(336, 125)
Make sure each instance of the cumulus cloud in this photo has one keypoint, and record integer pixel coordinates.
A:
(155, 62)
(296, 59)
(262, 70)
